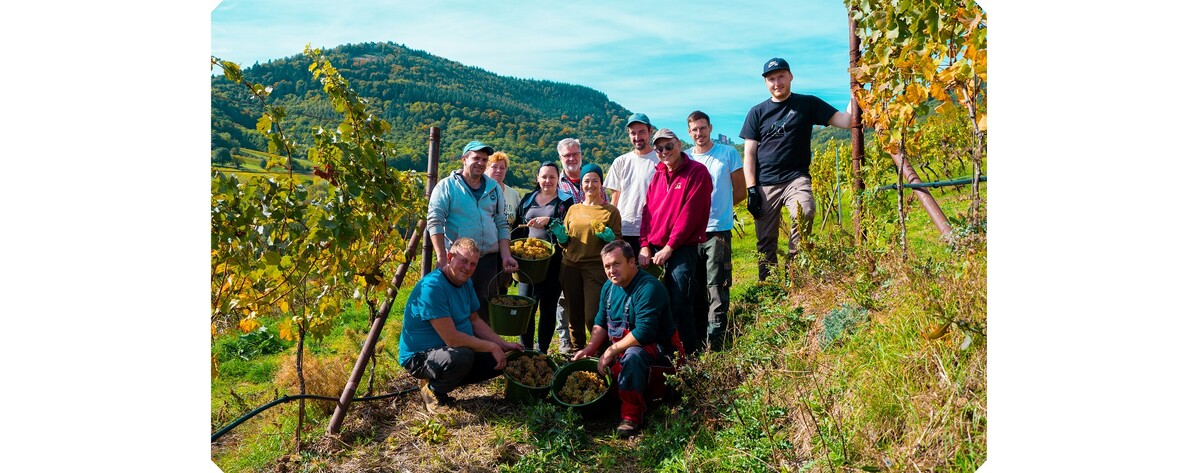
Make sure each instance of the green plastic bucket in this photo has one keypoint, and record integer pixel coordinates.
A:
(510, 320)
(517, 392)
(533, 271)
(598, 407)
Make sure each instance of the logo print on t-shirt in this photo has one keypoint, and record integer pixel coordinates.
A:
(778, 128)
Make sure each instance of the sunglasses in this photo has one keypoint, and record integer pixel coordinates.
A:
(663, 149)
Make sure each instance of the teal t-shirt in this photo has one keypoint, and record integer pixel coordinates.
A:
(431, 298)
(642, 307)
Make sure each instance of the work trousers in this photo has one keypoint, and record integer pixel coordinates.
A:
(797, 196)
(581, 287)
(447, 368)
(682, 286)
(715, 270)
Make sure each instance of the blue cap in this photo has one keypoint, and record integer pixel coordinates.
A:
(638, 118)
(477, 146)
(775, 64)
(589, 167)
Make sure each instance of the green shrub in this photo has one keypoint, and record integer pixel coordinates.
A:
(250, 345)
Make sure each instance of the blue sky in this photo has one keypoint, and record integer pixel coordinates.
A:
(684, 56)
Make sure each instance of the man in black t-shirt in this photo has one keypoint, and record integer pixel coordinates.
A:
(778, 134)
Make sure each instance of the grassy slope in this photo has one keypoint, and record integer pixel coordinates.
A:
(250, 160)
(879, 396)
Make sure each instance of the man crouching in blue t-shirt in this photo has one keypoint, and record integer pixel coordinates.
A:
(444, 343)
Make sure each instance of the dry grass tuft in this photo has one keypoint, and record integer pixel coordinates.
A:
(323, 376)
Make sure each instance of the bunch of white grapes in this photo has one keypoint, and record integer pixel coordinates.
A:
(582, 387)
(531, 371)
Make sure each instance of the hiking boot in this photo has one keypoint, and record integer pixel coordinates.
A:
(435, 402)
(627, 428)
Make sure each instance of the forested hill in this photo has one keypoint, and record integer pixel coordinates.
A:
(414, 90)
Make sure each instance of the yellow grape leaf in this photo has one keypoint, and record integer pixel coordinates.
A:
(214, 329)
(906, 114)
(248, 325)
(946, 76)
(964, 71)
(283, 305)
(982, 121)
(961, 15)
(969, 53)
(976, 20)
(945, 107)
(860, 74)
(892, 147)
(939, 93)
(936, 333)
(914, 93)
(285, 331)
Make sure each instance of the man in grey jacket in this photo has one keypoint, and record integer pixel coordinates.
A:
(469, 204)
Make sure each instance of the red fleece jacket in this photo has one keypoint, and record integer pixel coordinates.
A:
(677, 205)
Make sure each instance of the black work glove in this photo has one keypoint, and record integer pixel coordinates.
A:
(754, 201)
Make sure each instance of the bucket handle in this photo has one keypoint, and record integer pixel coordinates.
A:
(495, 284)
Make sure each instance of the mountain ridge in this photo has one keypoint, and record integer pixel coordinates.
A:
(414, 90)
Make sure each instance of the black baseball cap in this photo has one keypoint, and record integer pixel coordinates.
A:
(775, 64)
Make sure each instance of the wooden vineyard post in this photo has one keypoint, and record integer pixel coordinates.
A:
(856, 138)
(431, 178)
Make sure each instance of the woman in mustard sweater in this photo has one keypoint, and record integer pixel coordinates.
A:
(587, 227)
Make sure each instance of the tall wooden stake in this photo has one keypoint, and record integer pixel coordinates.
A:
(431, 178)
(856, 138)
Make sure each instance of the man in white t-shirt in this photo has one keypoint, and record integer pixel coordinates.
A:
(715, 266)
(629, 178)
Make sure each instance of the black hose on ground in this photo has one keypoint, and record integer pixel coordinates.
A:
(293, 397)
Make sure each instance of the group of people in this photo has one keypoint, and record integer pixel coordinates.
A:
(669, 207)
